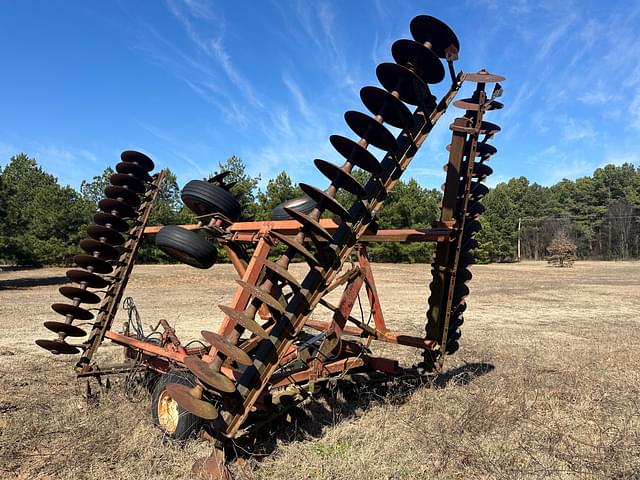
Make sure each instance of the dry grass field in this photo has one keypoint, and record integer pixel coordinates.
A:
(546, 385)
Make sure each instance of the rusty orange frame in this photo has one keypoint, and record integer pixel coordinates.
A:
(250, 269)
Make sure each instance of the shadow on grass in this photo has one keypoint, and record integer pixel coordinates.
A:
(345, 399)
(18, 283)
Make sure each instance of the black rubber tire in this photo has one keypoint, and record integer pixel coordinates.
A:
(150, 379)
(188, 424)
(204, 198)
(303, 204)
(186, 246)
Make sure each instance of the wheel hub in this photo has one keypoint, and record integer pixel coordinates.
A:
(168, 414)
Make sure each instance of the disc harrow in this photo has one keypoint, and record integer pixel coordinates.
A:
(110, 255)
(265, 351)
(461, 205)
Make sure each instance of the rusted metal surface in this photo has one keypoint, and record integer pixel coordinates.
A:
(251, 232)
(109, 307)
(267, 340)
(127, 207)
(242, 297)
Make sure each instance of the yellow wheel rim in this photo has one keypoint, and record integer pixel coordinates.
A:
(168, 414)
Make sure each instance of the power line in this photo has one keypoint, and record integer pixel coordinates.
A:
(581, 217)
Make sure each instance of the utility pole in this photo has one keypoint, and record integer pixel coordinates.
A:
(519, 225)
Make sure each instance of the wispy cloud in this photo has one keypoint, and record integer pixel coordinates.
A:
(598, 97)
(574, 129)
(197, 166)
(206, 29)
(552, 37)
(314, 22)
(298, 97)
(68, 164)
(567, 81)
(634, 110)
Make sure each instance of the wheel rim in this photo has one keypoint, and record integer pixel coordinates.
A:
(168, 414)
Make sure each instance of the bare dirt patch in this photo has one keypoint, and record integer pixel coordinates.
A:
(546, 384)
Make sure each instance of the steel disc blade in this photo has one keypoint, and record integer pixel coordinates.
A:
(425, 28)
(478, 190)
(281, 272)
(390, 108)
(473, 105)
(116, 207)
(371, 130)
(113, 221)
(463, 275)
(425, 62)
(106, 251)
(481, 171)
(355, 153)
(134, 170)
(461, 291)
(89, 261)
(411, 89)
(242, 319)
(483, 77)
(475, 209)
(212, 467)
(466, 259)
(205, 373)
(183, 395)
(310, 223)
(123, 194)
(90, 279)
(58, 347)
(76, 312)
(472, 227)
(127, 181)
(261, 295)
(227, 348)
(66, 328)
(488, 128)
(100, 232)
(137, 157)
(328, 202)
(340, 178)
(80, 294)
(297, 246)
(469, 245)
(485, 150)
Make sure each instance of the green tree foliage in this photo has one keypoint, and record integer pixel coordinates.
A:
(244, 189)
(43, 220)
(497, 236)
(278, 190)
(408, 206)
(168, 209)
(600, 214)
(6, 190)
(93, 190)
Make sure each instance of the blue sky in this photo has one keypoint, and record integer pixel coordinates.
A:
(192, 82)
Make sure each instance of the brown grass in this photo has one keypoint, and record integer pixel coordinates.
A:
(546, 385)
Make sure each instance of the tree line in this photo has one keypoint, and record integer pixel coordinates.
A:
(599, 213)
(42, 222)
